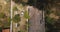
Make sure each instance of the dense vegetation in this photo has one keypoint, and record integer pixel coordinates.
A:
(2, 15)
(15, 9)
(4, 20)
(0, 29)
(16, 18)
(51, 24)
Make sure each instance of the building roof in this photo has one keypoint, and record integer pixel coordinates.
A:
(5, 30)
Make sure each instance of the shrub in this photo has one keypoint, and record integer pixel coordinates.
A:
(0, 29)
(48, 12)
(17, 1)
(15, 9)
(2, 15)
(48, 19)
(26, 15)
(16, 18)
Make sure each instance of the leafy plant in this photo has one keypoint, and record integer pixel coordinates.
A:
(2, 15)
(15, 9)
(0, 29)
(0, 6)
(58, 13)
(48, 12)
(16, 18)
(26, 15)
(17, 1)
(48, 19)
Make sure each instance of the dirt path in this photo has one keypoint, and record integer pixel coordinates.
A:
(36, 23)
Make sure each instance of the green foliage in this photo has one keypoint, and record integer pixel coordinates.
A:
(0, 22)
(49, 20)
(2, 15)
(21, 31)
(7, 0)
(58, 13)
(0, 29)
(18, 31)
(16, 18)
(27, 25)
(23, 3)
(48, 12)
(57, 24)
(9, 19)
(17, 1)
(15, 9)
(26, 15)
(49, 24)
(5, 23)
(31, 2)
(0, 7)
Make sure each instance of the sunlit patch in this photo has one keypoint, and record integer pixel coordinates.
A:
(5, 2)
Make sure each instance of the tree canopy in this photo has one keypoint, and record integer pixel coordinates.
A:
(2, 15)
(16, 18)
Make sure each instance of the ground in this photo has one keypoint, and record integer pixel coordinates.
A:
(4, 13)
(20, 9)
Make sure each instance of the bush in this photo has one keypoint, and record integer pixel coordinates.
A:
(15, 9)
(26, 15)
(58, 13)
(2, 15)
(49, 20)
(7, 23)
(0, 29)
(16, 18)
(31, 2)
(48, 12)
(49, 24)
(17, 1)
(7, 0)
(19, 31)
(0, 7)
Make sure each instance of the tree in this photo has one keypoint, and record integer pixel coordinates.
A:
(6, 22)
(7, 0)
(49, 24)
(31, 2)
(2, 15)
(49, 20)
(16, 18)
(58, 12)
(0, 22)
(48, 12)
(57, 24)
(17, 1)
(0, 29)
